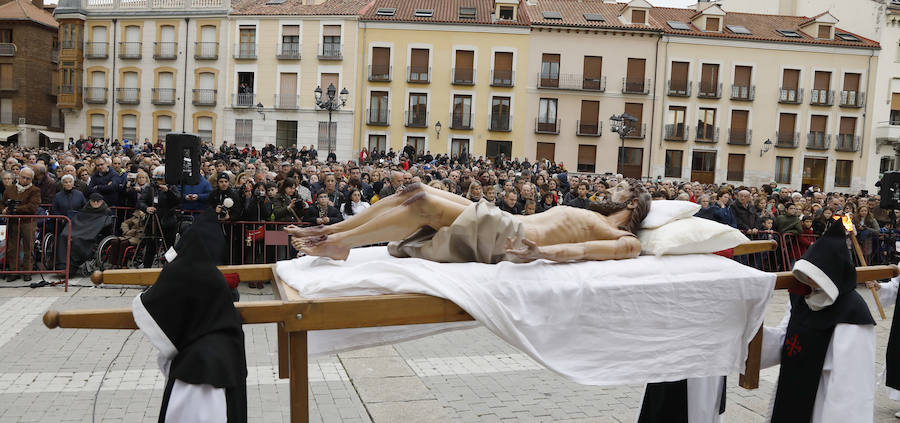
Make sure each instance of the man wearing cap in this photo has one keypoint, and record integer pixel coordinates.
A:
(826, 343)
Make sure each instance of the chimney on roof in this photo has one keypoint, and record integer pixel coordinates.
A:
(704, 4)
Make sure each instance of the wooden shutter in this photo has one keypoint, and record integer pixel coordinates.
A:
(590, 112)
(636, 110)
(851, 82)
(636, 69)
(546, 151)
(791, 79)
(712, 24)
(329, 79)
(587, 154)
(290, 31)
(503, 61)
(786, 124)
(680, 73)
(381, 56)
(742, 75)
(593, 67)
(465, 59)
(739, 120)
(419, 58)
(735, 167)
(638, 16)
(848, 126)
(288, 87)
(709, 77)
(824, 32)
(818, 123)
(895, 101)
(822, 80)
(331, 31)
(674, 159)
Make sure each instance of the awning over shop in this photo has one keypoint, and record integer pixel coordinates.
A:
(6, 134)
(55, 136)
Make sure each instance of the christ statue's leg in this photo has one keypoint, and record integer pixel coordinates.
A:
(380, 207)
(420, 209)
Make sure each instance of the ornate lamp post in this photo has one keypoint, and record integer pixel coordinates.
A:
(331, 104)
(623, 125)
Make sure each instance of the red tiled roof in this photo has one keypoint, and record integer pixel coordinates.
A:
(21, 10)
(763, 28)
(813, 19)
(573, 11)
(445, 11)
(296, 7)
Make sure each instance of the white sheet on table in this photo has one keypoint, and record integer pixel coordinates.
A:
(597, 323)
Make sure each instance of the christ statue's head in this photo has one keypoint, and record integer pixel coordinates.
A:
(628, 195)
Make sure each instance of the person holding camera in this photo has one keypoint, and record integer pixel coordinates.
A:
(287, 206)
(22, 198)
(257, 206)
(160, 202)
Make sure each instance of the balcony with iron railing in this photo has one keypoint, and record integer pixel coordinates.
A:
(165, 50)
(463, 76)
(204, 97)
(818, 141)
(130, 49)
(571, 81)
(709, 90)
(638, 133)
(69, 44)
(790, 95)
(418, 74)
(676, 132)
(245, 51)
(7, 50)
(459, 120)
(205, 50)
(96, 50)
(739, 136)
(852, 99)
(416, 119)
(378, 117)
(548, 80)
(500, 123)
(679, 88)
(243, 100)
(743, 92)
(707, 134)
(131, 6)
(66, 89)
(503, 78)
(635, 86)
(331, 51)
(821, 97)
(380, 73)
(95, 95)
(128, 95)
(288, 51)
(163, 96)
(588, 129)
(847, 143)
(548, 126)
(787, 139)
(287, 101)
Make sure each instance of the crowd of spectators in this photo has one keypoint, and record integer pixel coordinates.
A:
(245, 184)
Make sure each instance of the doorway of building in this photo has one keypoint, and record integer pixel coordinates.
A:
(703, 167)
(286, 133)
(631, 162)
(813, 173)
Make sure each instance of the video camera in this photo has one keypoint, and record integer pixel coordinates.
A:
(11, 205)
(227, 204)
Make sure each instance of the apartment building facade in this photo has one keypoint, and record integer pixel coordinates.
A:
(29, 51)
(589, 61)
(279, 54)
(445, 77)
(751, 99)
(140, 69)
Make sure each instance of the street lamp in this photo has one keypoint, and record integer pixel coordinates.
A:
(623, 125)
(437, 128)
(331, 104)
(766, 146)
(259, 109)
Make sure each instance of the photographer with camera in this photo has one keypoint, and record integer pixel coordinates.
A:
(228, 207)
(287, 205)
(160, 202)
(22, 198)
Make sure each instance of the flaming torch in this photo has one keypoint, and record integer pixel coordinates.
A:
(847, 221)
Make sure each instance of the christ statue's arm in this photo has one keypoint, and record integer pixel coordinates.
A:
(623, 248)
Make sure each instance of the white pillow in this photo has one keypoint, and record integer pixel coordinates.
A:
(693, 235)
(665, 211)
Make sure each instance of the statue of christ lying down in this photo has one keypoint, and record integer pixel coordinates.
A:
(425, 222)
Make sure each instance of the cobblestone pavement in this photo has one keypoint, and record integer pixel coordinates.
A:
(68, 375)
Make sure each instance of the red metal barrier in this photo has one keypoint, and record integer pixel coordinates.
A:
(31, 243)
(767, 261)
(793, 246)
(258, 242)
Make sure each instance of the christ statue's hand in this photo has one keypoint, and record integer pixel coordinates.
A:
(530, 250)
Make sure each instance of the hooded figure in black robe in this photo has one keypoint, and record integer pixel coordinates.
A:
(188, 315)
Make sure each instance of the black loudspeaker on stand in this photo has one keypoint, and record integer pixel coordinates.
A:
(890, 190)
(182, 159)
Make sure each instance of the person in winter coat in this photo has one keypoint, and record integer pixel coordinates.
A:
(68, 199)
(132, 231)
(320, 213)
(195, 196)
(106, 182)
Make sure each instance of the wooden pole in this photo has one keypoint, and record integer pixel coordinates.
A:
(862, 262)
(299, 378)
(750, 378)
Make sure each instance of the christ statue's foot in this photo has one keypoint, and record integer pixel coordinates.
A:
(324, 247)
(306, 231)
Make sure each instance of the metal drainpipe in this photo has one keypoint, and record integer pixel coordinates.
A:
(653, 109)
(362, 87)
(184, 95)
(112, 115)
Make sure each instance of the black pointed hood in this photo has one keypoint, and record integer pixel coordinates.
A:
(828, 265)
